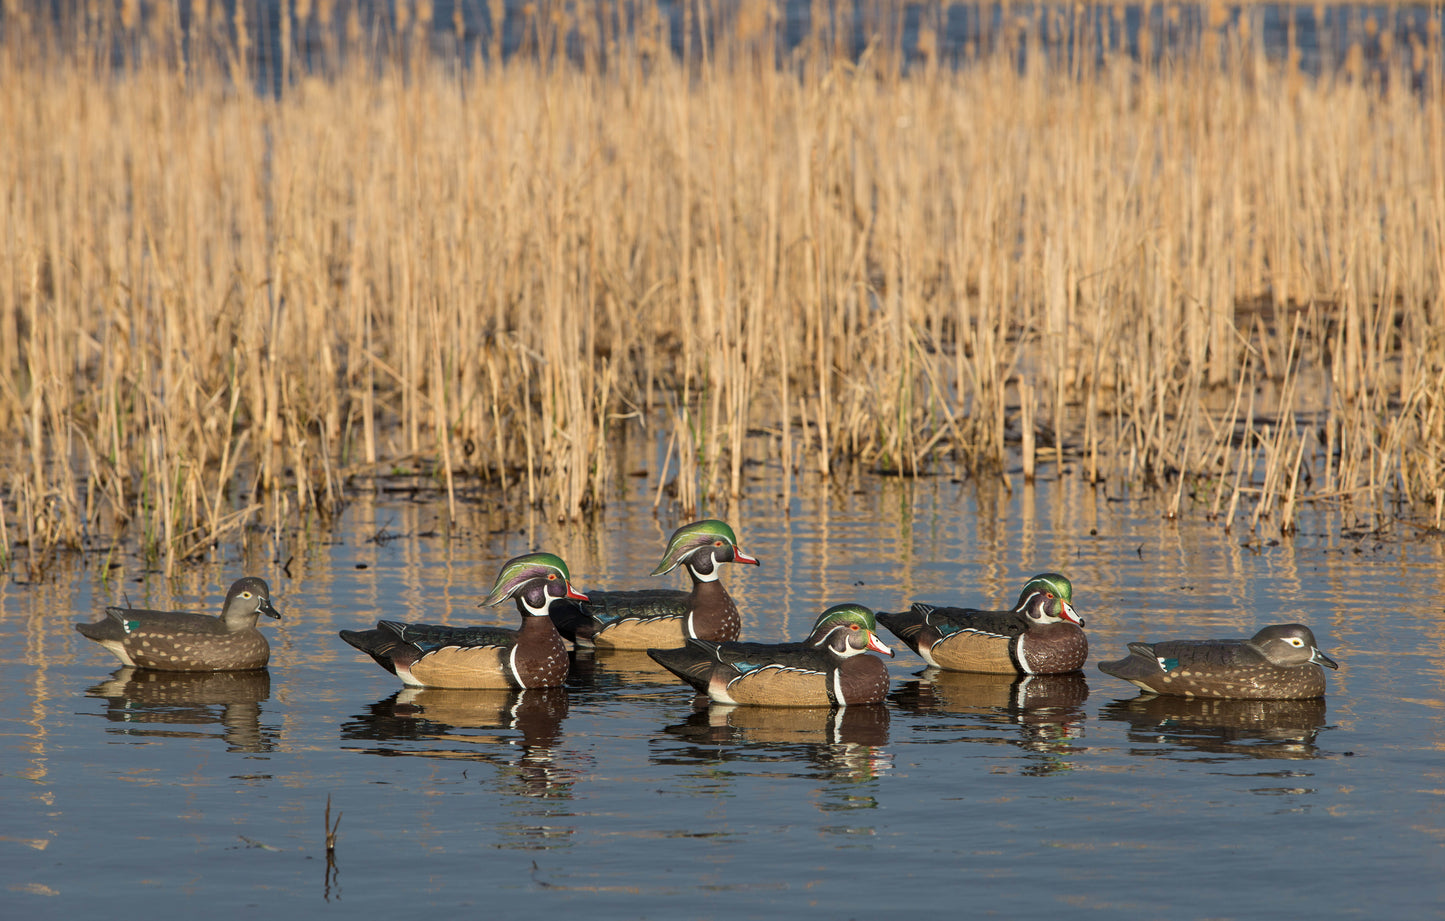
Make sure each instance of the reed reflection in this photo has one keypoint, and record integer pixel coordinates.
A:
(1276, 729)
(1047, 711)
(847, 744)
(456, 723)
(156, 705)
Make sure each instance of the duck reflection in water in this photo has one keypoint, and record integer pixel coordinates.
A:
(616, 668)
(843, 743)
(147, 704)
(1284, 729)
(1046, 710)
(443, 723)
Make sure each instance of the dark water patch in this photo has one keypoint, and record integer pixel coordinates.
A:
(280, 45)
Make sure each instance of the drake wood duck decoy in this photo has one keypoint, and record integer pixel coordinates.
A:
(1280, 662)
(177, 641)
(665, 617)
(827, 669)
(1041, 635)
(438, 656)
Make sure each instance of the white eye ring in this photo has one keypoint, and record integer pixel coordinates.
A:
(1295, 642)
(245, 594)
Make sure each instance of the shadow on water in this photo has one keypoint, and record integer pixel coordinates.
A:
(1182, 727)
(840, 744)
(1042, 714)
(603, 669)
(515, 731)
(145, 704)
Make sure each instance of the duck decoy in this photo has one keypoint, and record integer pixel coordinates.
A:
(665, 617)
(826, 669)
(177, 641)
(1042, 635)
(440, 656)
(1280, 662)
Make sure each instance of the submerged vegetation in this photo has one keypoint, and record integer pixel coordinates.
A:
(225, 295)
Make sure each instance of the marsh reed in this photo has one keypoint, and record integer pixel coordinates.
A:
(229, 298)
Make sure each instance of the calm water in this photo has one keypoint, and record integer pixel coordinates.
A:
(615, 798)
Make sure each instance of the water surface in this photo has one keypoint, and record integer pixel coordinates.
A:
(615, 797)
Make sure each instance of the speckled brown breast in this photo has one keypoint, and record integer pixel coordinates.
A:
(1052, 649)
(714, 615)
(863, 679)
(541, 657)
(200, 652)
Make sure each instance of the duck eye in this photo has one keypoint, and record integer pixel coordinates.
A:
(853, 627)
(551, 577)
(717, 543)
(245, 594)
(1295, 641)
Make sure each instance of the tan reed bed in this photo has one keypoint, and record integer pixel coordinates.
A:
(1217, 275)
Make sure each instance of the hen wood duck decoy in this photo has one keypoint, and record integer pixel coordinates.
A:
(665, 617)
(827, 669)
(177, 641)
(438, 656)
(1280, 662)
(1041, 635)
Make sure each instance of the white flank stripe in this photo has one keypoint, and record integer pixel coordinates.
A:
(1023, 662)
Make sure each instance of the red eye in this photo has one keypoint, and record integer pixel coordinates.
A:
(1049, 594)
(853, 627)
(717, 543)
(551, 577)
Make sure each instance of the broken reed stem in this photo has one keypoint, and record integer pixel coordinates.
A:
(205, 287)
(330, 827)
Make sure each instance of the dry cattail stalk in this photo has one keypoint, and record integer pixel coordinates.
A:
(1183, 271)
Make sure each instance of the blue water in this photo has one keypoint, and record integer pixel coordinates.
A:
(616, 799)
(1318, 36)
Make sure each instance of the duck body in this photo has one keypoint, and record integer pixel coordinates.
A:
(1280, 662)
(178, 641)
(826, 670)
(1042, 635)
(649, 618)
(441, 656)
